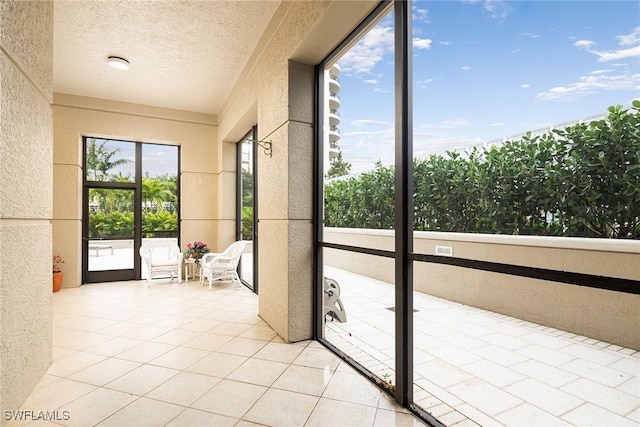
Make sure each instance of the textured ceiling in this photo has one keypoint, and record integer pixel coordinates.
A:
(185, 55)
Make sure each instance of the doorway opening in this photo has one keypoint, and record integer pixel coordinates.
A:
(247, 208)
(131, 194)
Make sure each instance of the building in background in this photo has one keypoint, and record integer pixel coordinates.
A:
(332, 106)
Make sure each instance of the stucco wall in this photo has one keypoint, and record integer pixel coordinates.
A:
(204, 210)
(276, 92)
(26, 52)
(605, 315)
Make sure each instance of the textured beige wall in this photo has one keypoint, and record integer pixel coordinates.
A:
(26, 34)
(605, 315)
(203, 207)
(276, 92)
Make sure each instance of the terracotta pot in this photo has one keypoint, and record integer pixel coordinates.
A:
(57, 281)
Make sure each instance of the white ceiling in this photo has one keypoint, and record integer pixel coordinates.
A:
(184, 54)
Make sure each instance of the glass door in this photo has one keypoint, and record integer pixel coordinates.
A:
(110, 243)
(247, 209)
(130, 195)
(110, 217)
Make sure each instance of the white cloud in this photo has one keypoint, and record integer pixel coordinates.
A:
(372, 81)
(440, 144)
(617, 54)
(594, 72)
(584, 44)
(364, 56)
(530, 35)
(444, 42)
(630, 39)
(466, 68)
(421, 43)
(612, 55)
(496, 124)
(453, 123)
(525, 85)
(590, 84)
(423, 83)
(497, 8)
(368, 122)
(420, 14)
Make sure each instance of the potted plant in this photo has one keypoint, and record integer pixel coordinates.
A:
(196, 250)
(57, 272)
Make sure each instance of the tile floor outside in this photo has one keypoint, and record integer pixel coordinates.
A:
(125, 354)
(475, 367)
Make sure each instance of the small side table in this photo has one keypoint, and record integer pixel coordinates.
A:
(191, 268)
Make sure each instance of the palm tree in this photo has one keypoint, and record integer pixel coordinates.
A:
(154, 190)
(99, 159)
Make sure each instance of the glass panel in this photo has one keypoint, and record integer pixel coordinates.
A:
(359, 312)
(502, 148)
(109, 160)
(509, 163)
(110, 224)
(246, 200)
(359, 200)
(160, 194)
(159, 191)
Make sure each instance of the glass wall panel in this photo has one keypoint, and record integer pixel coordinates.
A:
(110, 160)
(359, 186)
(159, 194)
(246, 201)
(111, 229)
(517, 172)
(159, 191)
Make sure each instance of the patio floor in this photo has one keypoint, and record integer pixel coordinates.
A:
(125, 354)
(180, 355)
(475, 367)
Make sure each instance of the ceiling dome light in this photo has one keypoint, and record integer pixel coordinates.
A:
(118, 63)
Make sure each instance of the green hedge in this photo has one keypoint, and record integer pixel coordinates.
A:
(120, 224)
(582, 180)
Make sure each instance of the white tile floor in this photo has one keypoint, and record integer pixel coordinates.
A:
(179, 355)
(475, 367)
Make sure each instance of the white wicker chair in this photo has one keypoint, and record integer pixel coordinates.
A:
(161, 258)
(222, 266)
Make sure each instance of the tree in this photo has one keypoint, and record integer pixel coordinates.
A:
(99, 160)
(338, 167)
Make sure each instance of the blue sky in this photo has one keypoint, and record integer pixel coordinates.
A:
(486, 70)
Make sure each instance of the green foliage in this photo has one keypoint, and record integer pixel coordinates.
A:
(338, 167)
(367, 201)
(100, 161)
(120, 224)
(156, 191)
(247, 223)
(247, 204)
(159, 221)
(113, 224)
(583, 180)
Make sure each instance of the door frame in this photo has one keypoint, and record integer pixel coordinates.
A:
(123, 274)
(251, 136)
